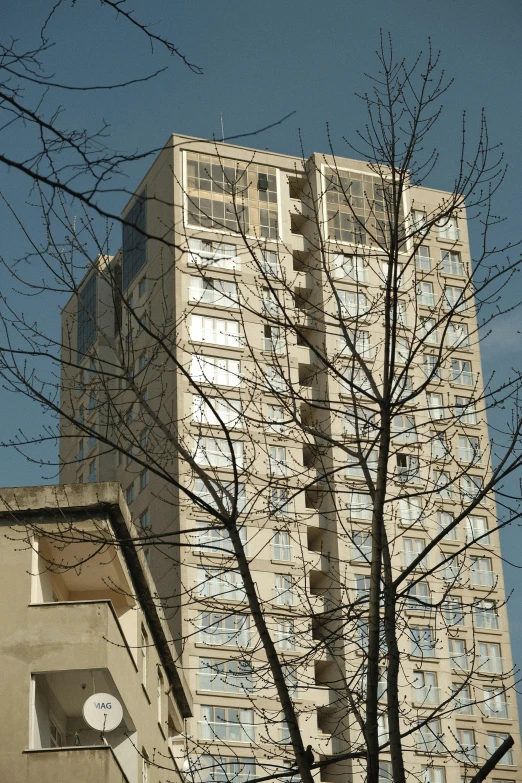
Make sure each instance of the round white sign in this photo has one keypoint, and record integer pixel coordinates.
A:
(102, 712)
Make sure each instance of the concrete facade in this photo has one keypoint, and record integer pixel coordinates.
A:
(73, 625)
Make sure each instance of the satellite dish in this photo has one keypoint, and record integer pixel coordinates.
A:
(102, 712)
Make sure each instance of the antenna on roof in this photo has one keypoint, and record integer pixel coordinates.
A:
(222, 129)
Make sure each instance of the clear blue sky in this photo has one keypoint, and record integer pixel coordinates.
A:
(262, 59)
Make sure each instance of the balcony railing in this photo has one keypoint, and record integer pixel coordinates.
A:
(426, 299)
(423, 263)
(488, 664)
(426, 695)
(213, 296)
(214, 259)
(464, 378)
(228, 732)
(496, 709)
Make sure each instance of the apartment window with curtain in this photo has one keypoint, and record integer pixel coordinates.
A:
(281, 547)
(215, 370)
(228, 724)
(230, 630)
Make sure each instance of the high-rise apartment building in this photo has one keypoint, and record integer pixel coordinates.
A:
(249, 346)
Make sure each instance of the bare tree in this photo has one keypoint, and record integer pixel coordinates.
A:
(346, 441)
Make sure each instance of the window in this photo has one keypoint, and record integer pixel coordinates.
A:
(215, 330)
(144, 766)
(429, 737)
(86, 317)
(219, 583)
(477, 529)
(461, 372)
(423, 641)
(278, 502)
(362, 587)
(360, 505)
(227, 724)
(469, 449)
(433, 775)
(423, 260)
(452, 567)
(439, 446)
(282, 548)
(442, 484)
(436, 409)
(444, 519)
(285, 639)
(360, 422)
(144, 656)
(219, 769)
(231, 630)
(431, 367)
(225, 676)
(465, 410)
(453, 611)
(403, 429)
(485, 615)
(353, 304)
(161, 698)
(354, 200)
(407, 468)
(271, 301)
(270, 263)
(458, 654)
(455, 299)
(349, 266)
(275, 379)
(385, 772)
(355, 341)
(273, 340)
(402, 350)
(214, 539)
(418, 220)
(216, 411)
(134, 246)
(220, 195)
(425, 690)
(470, 488)
(55, 735)
(355, 381)
(457, 335)
(354, 466)
(216, 453)
(211, 291)
(144, 479)
(425, 294)
(129, 495)
(398, 311)
(462, 698)
(490, 660)
(448, 228)
(383, 730)
(419, 599)
(412, 549)
(451, 263)
(284, 590)
(361, 548)
(494, 741)
(278, 465)
(275, 419)
(495, 705)
(229, 492)
(216, 254)
(466, 746)
(429, 331)
(144, 520)
(215, 370)
(481, 572)
(91, 475)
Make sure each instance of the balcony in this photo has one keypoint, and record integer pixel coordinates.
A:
(84, 764)
(490, 664)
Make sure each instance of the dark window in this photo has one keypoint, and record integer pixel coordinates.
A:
(86, 317)
(262, 181)
(133, 240)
